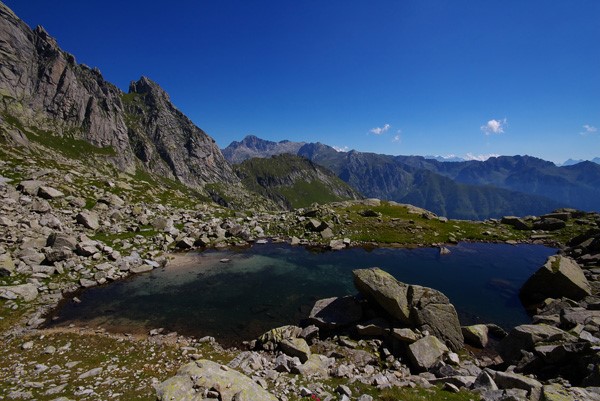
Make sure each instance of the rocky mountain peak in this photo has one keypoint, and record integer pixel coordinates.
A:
(146, 86)
(8, 14)
(41, 33)
(253, 146)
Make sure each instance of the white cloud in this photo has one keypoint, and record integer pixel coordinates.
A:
(494, 127)
(341, 149)
(481, 158)
(588, 130)
(380, 130)
(397, 139)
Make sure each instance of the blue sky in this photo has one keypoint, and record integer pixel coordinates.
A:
(425, 77)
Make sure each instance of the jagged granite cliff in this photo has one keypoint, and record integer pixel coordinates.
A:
(44, 92)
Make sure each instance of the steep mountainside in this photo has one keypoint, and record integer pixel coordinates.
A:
(46, 95)
(252, 146)
(292, 181)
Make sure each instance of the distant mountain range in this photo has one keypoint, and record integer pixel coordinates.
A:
(571, 162)
(518, 185)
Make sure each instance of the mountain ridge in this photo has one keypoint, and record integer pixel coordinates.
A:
(531, 185)
(293, 181)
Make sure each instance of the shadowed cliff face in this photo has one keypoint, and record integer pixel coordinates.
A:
(42, 86)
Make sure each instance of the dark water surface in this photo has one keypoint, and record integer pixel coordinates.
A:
(274, 284)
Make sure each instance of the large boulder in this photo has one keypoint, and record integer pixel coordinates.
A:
(549, 224)
(194, 378)
(88, 219)
(335, 312)
(272, 338)
(413, 305)
(382, 288)
(559, 277)
(296, 347)
(7, 265)
(442, 321)
(516, 222)
(27, 292)
(432, 311)
(59, 240)
(426, 352)
(509, 380)
(476, 335)
(49, 193)
(315, 366)
(571, 317)
(30, 187)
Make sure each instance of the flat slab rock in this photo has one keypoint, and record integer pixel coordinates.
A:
(194, 377)
(426, 352)
(27, 292)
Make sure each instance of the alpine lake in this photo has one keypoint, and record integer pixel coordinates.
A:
(238, 294)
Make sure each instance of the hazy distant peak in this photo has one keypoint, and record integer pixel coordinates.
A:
(252, 146)
(447, 158)
(571, 162)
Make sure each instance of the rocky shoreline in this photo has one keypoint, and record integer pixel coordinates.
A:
(56, 242)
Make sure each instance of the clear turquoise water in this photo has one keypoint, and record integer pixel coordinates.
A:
(274, 284)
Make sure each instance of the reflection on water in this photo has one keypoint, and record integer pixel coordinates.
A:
(275, 284)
